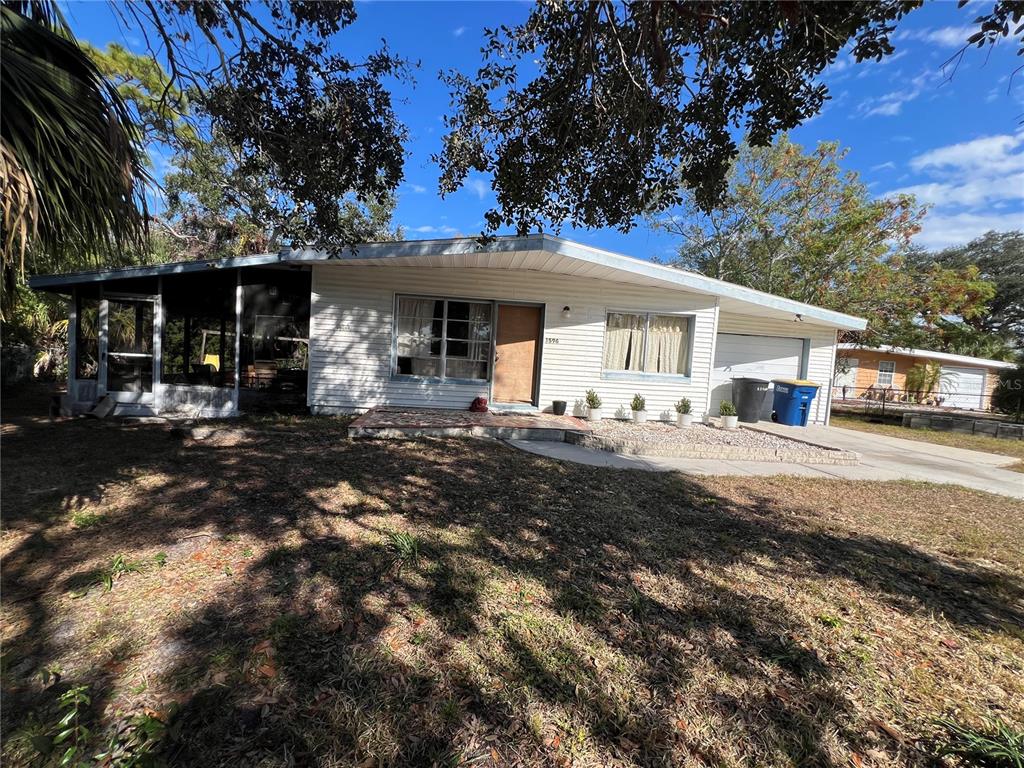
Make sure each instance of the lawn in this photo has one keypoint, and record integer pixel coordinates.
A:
(983, 443)
(275, 594)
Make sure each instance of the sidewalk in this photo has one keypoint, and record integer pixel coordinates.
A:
(882, 458)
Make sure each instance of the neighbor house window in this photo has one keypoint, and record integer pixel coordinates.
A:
(647, 343)
(886, 369)
(443, 338)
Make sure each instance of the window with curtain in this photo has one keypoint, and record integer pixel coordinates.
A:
(647, 343)
(443, 338)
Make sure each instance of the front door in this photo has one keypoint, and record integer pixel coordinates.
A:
(517, 343)
(129, 358)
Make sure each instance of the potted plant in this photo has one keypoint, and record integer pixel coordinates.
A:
(728, 413)
(639, 406)
(593, 405)
(683, 416)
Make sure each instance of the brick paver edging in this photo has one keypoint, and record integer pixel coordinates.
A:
(720, 452)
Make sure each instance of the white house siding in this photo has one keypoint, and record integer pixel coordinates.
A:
(821, 350)
(351, 331)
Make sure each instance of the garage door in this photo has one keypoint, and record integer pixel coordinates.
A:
(962, 387)
(761, 357)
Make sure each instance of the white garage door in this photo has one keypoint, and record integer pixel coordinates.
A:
(962, 387)
(760, 357)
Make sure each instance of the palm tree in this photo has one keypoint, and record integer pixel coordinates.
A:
(72, 177)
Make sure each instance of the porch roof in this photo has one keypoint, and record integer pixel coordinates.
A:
(542, 252)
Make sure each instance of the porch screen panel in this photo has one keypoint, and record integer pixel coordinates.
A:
(668, 345)
(88, 341)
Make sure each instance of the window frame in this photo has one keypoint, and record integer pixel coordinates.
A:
(891, 372)
(615, 373)
(443, 357)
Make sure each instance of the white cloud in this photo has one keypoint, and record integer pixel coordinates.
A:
(459, 31)
(884, 166)
(891, 103)
(417, 189)
(944, 230)
(971, 187)
(971, 193)
(430, 229)
(988, 155)
(479, 187)
(950, 37)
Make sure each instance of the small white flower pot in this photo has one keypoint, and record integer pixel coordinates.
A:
(594, 414)
(729, 422)
(639, 417)
(684, 420)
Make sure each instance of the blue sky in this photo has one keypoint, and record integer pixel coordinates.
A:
(958, 144)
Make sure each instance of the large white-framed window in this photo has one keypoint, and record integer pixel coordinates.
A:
(442, 338)
(886, 371)
(647, 343)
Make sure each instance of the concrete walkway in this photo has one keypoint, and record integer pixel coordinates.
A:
(882, 458)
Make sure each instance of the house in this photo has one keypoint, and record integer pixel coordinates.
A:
(964, 382)
(522, 321)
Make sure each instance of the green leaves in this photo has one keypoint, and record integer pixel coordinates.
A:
(72, 174)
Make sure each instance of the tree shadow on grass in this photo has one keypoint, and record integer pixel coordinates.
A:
(557, 610)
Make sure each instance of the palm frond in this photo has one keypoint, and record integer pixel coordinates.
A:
(72, 174)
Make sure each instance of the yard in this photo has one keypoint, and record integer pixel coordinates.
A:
(983, 443)
(276, 594)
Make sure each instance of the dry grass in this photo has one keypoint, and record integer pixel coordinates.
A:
(554, 614)
(982, 443)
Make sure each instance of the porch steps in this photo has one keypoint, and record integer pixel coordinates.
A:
(494, 432)
(391, 423)
(103, 408)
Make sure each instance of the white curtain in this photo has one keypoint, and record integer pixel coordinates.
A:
(479, 332)
(668, 345)
(624, 342)
(415, 327)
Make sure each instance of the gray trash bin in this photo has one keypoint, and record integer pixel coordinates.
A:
(748, 397)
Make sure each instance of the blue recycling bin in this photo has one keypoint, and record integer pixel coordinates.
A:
(792, 401)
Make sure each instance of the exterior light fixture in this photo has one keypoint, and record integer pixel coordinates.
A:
(566, 311)
(798, 318)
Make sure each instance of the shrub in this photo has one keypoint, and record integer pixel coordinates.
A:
(683, 406)
(404, 547)
(639, 403)
(727, 408)
(1008, 396)
(593, 400)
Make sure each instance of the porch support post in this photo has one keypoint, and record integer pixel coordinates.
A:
(101, 377)
(238, 338)
(72, 347)
(158, 345)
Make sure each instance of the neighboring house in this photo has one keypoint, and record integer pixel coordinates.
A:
(965, 382)
(522, 321)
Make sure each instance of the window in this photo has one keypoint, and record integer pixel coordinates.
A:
(443, 338)
(886, 369)
(647, 343)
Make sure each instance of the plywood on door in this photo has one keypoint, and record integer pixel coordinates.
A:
(516, 346)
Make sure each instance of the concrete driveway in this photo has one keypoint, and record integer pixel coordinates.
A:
(893, 458)
(882, 458)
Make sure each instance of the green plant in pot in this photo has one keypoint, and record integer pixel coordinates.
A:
(639, 406)
(684, 417)
(728, 413)
(593, 405)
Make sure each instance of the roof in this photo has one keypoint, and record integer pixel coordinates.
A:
(542, 252)
(945, 357)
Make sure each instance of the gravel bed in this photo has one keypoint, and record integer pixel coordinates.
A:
(661, 433)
